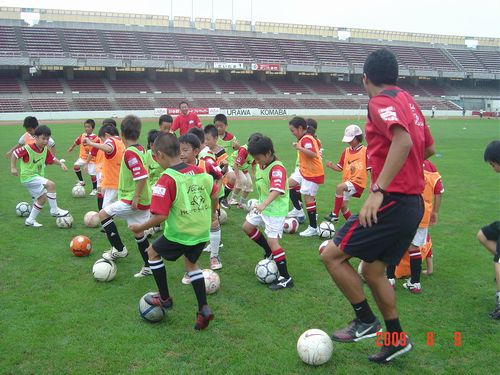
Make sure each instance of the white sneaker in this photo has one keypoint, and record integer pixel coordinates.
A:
(232, 202)
(309, 232)
(414, 288)
(32, 223)
(93, 192)
(215, 263)
(59, 213)
(186, 280)
(114, 254)
(145, 271)
(295, 213)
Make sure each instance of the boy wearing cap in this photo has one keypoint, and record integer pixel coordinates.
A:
(353, 164)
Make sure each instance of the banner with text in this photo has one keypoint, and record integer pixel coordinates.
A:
(229, 66)
(244, 112)
(267, 67)
(177, 111)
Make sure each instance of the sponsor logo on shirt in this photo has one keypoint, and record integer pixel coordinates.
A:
(159, 191)
(133, 162)
(36, 161)
(277, 174)
(388, 114)
(135, 169)
(416, 117)
(308, 146)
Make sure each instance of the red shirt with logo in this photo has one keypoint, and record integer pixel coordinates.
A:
(185, 122)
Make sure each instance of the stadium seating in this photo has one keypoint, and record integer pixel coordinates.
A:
(160, 45)
(231, 48)
(134, 103)
(48, 105)
(11, 105)
(467, 59)
(87, 85)
(490, 59)
(197, 47)
(264, 50)
(92, 104)
(41, 41)
(44, 84)
(129, 84)
(235, 86)
(326, 53)
(123, 44)
(9, 85)
(8, 41)
(83, 42)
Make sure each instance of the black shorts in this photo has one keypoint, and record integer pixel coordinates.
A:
(492, 233)
(398, 220)
(172, 251)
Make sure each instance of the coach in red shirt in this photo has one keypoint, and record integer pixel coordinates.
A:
(398, 142)
(185, 120)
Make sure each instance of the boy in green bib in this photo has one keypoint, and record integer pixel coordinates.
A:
(185, 198)
(272, 189)
(33, 158)
(154, 169)
(134, 196)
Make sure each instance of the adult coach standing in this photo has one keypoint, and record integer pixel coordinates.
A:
(185, 120)
(398, 142)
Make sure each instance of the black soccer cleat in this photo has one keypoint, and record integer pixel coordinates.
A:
(357, 330)
(281, 283)
(388, 353)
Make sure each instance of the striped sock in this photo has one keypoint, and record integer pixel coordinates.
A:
(142, 245)
(215, 235)
(114, 239)
(279, 257)
(198, 283)
(35, 210)
(52, 198)
(415, 265)
(256, 236)
(160, 275)
(311, 213)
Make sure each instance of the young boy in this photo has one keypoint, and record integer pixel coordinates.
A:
(189, 150)
(34, 157)
(185, 198)
(239, 175)
(272, 188)
(154, 169)
(353, 164)
(432, 195)
(225, 139)
(211, 137)
(489, 236)
(134, 196)
(30, 124)
(88, 127)
(165, 123)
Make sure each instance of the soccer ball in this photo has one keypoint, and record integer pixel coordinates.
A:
(222, 216)
(212, 281)
(80, 246)
(266, 271)
(91, 219)
(291, 225)
(152, 314)
(322, 247)
(104, 270)
(314, 347)
(23, 209)
(78, 191)
(326, 230)
(251, 203)
(65, 222)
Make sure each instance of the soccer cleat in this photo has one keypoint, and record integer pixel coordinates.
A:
(224, 204)
(32, 223)
(295, 213)
(392, 282)
(332, 218)
(203, 317)
(388, 353)
(414, 288)
(232, 202)
(309, 232)
(281, 283)
(145, 271)
(186, 280)
(215, 263)
(149, 232)
(155, 300)
(495, 314)
(114, 254)
(357, 330)
(93, 192)
(59, 213)
(81, 183)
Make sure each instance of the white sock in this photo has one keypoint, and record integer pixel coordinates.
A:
(35, 210)
(214, 241)
(51, 197)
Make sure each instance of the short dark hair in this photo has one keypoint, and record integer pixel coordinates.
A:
(91, 122)
(109, 129)
(183, 102)
(152, 134)
(260, 145)
(165, 118)
(360, 138)
(199, 133)
(298, 122)
(109, 121)
(168, 144)
(254, 136)
(30, 122)
(220, 117)
(131, 127)
(381, 67)
(191, 139)
(492, 152)
(43, 130)
(211, 130)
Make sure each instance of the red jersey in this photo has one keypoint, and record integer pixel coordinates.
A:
(135, 164)
(185, 122)
(165, 190)
(391, 107)
(277, 178)
(21, 153)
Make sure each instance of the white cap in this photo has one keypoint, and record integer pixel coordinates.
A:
(350, 132)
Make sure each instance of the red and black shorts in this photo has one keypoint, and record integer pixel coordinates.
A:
(398, 220)
(172, 251)
(492, 233)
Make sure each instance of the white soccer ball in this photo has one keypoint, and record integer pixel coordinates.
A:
(326, 229)
(222, 216)
(315, 347)
(322, 247)
(65, 222)
(251, 203)
(290, 225)
(23, 209)
(104, 270)
(266, 271)
(212, 281)
(148, 312)
(91, 219)
(78, 191)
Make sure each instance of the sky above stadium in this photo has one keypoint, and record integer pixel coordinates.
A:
(451, 17)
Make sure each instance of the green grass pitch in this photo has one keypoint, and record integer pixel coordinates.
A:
(55, 319)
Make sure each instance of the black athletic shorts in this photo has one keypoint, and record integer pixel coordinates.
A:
(398, 220)
(172, 251)
(492, 233)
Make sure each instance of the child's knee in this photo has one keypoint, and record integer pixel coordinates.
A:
(481, 237)
(152, 254)
(50, 185)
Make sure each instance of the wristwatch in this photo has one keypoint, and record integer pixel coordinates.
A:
(377, 189)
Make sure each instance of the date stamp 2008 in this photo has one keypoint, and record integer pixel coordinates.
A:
(400, 338)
